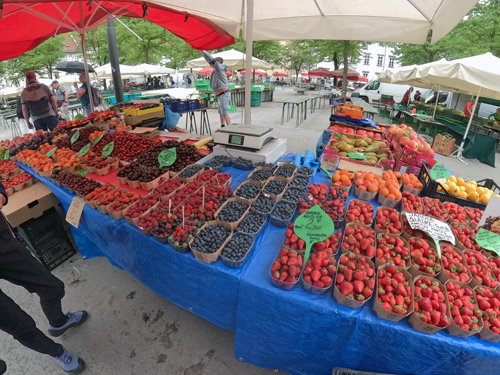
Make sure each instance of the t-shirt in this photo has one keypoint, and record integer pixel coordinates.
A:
(36, 92)
(468, 109)
(59, 93)
(218, 79)
(84, 99)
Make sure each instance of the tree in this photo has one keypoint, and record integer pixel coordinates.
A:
(333, 51)
(178, 52)
(408, 54)
(96, 44)
(48, 54)
(267, 50)
(299, 55)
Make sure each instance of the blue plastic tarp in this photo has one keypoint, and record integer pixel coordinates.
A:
(366, 122)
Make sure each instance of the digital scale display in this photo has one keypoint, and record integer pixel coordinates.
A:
(236, 139)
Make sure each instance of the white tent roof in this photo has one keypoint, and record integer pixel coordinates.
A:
(154, 69)
(235, 60)
(405, 21)
(465, 76)
(10, 92)
(126, 71)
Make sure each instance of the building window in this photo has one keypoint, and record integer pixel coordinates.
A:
(365, 74)
(380, 60)
(367, 59)
(377, 74)
(391, 61)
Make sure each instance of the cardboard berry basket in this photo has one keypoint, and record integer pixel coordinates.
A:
(347, 221)
(117, 215)
(380, 231)
(412, 191)
(416, 322)
(216, 182)
(415, 272)
(453, 329)
(109, 168)
(261, 183)
(245, 200)
(9, 191)
(168, 196)
(386, 202)
(234, 224)
(377, 306)
(443, 276)
(471, 224)
(12, 173)
(350, 302)
(192, 178)
(24, 185)
(121, 180)
(344, 250)
(379, 262)
(147, 231)
(151, 185)
(486, 333)
(286, 179)
(135, 184)
(212, 257)
(278, 197)
(364, 195)
(135, 220)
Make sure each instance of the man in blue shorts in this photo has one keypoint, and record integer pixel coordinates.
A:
(218, 83)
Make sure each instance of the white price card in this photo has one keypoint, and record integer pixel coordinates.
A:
(433, 227)
(75, 211)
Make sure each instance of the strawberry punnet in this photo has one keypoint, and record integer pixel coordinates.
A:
(453, 264)
(359, 240)
(480, 268)
(360, 212)
(489, 304)
(394, 290)
(355, 277)
(430, 303)
(464, 308)
(388, 220)
(392, 249)
(319, 270)
(424, 257)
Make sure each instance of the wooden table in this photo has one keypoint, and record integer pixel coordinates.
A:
(367, 108)
(301, 103)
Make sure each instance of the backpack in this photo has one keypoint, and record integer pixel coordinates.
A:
(189, 80)
(96, 96)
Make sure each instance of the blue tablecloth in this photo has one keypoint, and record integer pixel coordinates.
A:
(293, 331)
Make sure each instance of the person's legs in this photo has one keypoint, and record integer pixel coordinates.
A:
(224, 100)
(3, 367)
(40, 125)
(86, 110)
(51, 122)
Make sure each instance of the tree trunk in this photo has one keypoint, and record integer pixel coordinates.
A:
(346, 67)
(335, 67)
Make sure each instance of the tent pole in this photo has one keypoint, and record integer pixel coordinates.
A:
(248, 67)
(436, 104)
(458, 153)
(89, 84)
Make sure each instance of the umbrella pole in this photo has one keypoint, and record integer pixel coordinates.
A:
(89, 84)
(248, 77)
(436, 104)
(458, 154)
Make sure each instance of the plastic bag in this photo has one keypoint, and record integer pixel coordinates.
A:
(171, 119)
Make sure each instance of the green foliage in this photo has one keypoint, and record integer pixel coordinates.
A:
(96, 44)
(299, 55)
(267, 50)
(333, 51)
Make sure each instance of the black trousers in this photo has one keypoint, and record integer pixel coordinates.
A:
(19, 267)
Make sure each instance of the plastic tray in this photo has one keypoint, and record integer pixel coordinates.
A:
(180, 249)
(261, 227)
(162, 239)
(217, 166)
(239, 263)
(314, 289)
(260, 212)
(283, 284)
(245, 167)
(280, 222)
(294, 188)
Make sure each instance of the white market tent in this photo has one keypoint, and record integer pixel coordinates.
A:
(405, 21)
(10, 92)
(476, 75)
(235, 60)
(126, 71)
(150, 69)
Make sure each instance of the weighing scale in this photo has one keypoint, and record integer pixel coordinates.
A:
(243, 136)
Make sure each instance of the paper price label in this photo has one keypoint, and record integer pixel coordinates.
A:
(167, 157)
(89, 124)
(75, 211)
(84, 150)
(108, 149)
(82, 173)
(6, 155)
(99, 138)
(75, 137)
(313, 226)
(488, 240)
(51, 152)
(439, 171)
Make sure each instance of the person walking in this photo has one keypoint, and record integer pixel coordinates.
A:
(23, 125)
(20, 268)
(218, 84)
(62, 97)
(82, 94)
(41, 103)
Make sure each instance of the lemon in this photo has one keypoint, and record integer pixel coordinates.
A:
(446, 187)
(439, 188)
(462, 188)
(485, 198)
(452, 179)
(462, 194)
(473, 183)
(473, 196)
(469, 188)
(460, 181)
(480, 190)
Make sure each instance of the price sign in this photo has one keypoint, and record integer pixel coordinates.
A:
(75, 211)
(6, 155)
(79, 116)
(51, 152)
(108, 149)
(99, 138)
(313, 226)
(406, 133)
(84, 150)
(433, 227)
(75, 137)
(89, 124)
(356, 155)
(488, 240)
(167, 157)
(439, 171)
(338, 135)
(82, 173)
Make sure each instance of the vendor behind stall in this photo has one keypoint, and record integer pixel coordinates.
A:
(218, 83)
(495, 115)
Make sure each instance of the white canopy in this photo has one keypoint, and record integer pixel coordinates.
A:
(126, 71)
(405, 21)
(154, 69)
(9, 92)
(235, 60)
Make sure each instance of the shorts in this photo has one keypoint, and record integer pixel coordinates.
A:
(224, 100)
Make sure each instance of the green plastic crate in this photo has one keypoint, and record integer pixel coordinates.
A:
(401, 107)
(394, 121)
(384, 112)
(230, 86)
(232, 108)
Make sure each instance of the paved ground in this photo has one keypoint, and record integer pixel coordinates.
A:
(117, 339)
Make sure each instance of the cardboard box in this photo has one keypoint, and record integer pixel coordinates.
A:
(248, 201)
(417, 323)
(414, 158)
(346, 125)
(134, 120)
(234, 224)
(349, 302)
(28, 204)
(403, 167)
(415, 272)
(357, 167)
(389, 315)
(210, 258)
(443, 145)
(379, 262)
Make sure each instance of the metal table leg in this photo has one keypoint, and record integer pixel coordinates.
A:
(298, 114)
(283, 114)
(293, 107)
(305, 112)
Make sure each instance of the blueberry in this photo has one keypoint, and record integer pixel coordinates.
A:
(210, 239)
(285, 171)
(248, 190)
(264, 164)
(190, 171)
(293, 194)
(261, 175)
(237, 248)
(214, 164)
(252, 223)
(225, 160)
(305, 171)
(241, 163)
(284, 211)
(300, 180)
(274, 187)
(263, 205)
(232, 211)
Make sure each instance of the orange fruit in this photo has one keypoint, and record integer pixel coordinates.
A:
(397, 195)
(362, 187)
(373, 188)
(344, 171)
(384, 192)
(336, 177)
(392, 190)
(391, 196)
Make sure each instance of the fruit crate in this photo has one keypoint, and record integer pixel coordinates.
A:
(384, 112)
(430, 190)
(46, 239)
(400, 107)
(202, 85)
(494, 134)
(395, 120)
(232, 109)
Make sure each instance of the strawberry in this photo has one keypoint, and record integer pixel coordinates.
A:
(388, 221)
(359, 240)
(424, 257)
(285, 269)
(393, 249)
(353, 278)
(453, 264)
(431, 309)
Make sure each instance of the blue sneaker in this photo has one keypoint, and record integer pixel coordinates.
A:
(74, 320)
(3, 367)
(70, 362)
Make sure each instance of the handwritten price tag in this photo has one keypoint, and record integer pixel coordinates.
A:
(82, 173)
(84, 150)
(89, 124)
(488, 240)
(99, 138)
(167, 157)
(439, 171)
(313, 226)
(433, 227)
(6, 155)
(356, 155)
(75, 211)
(75, 137)
(51, 152)
(108, 149)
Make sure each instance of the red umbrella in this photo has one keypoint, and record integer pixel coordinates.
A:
(352, 75)
(27, 24)
(210, 70)
(362, 79)
(280, 75)
(321, 72)
(255, 71)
